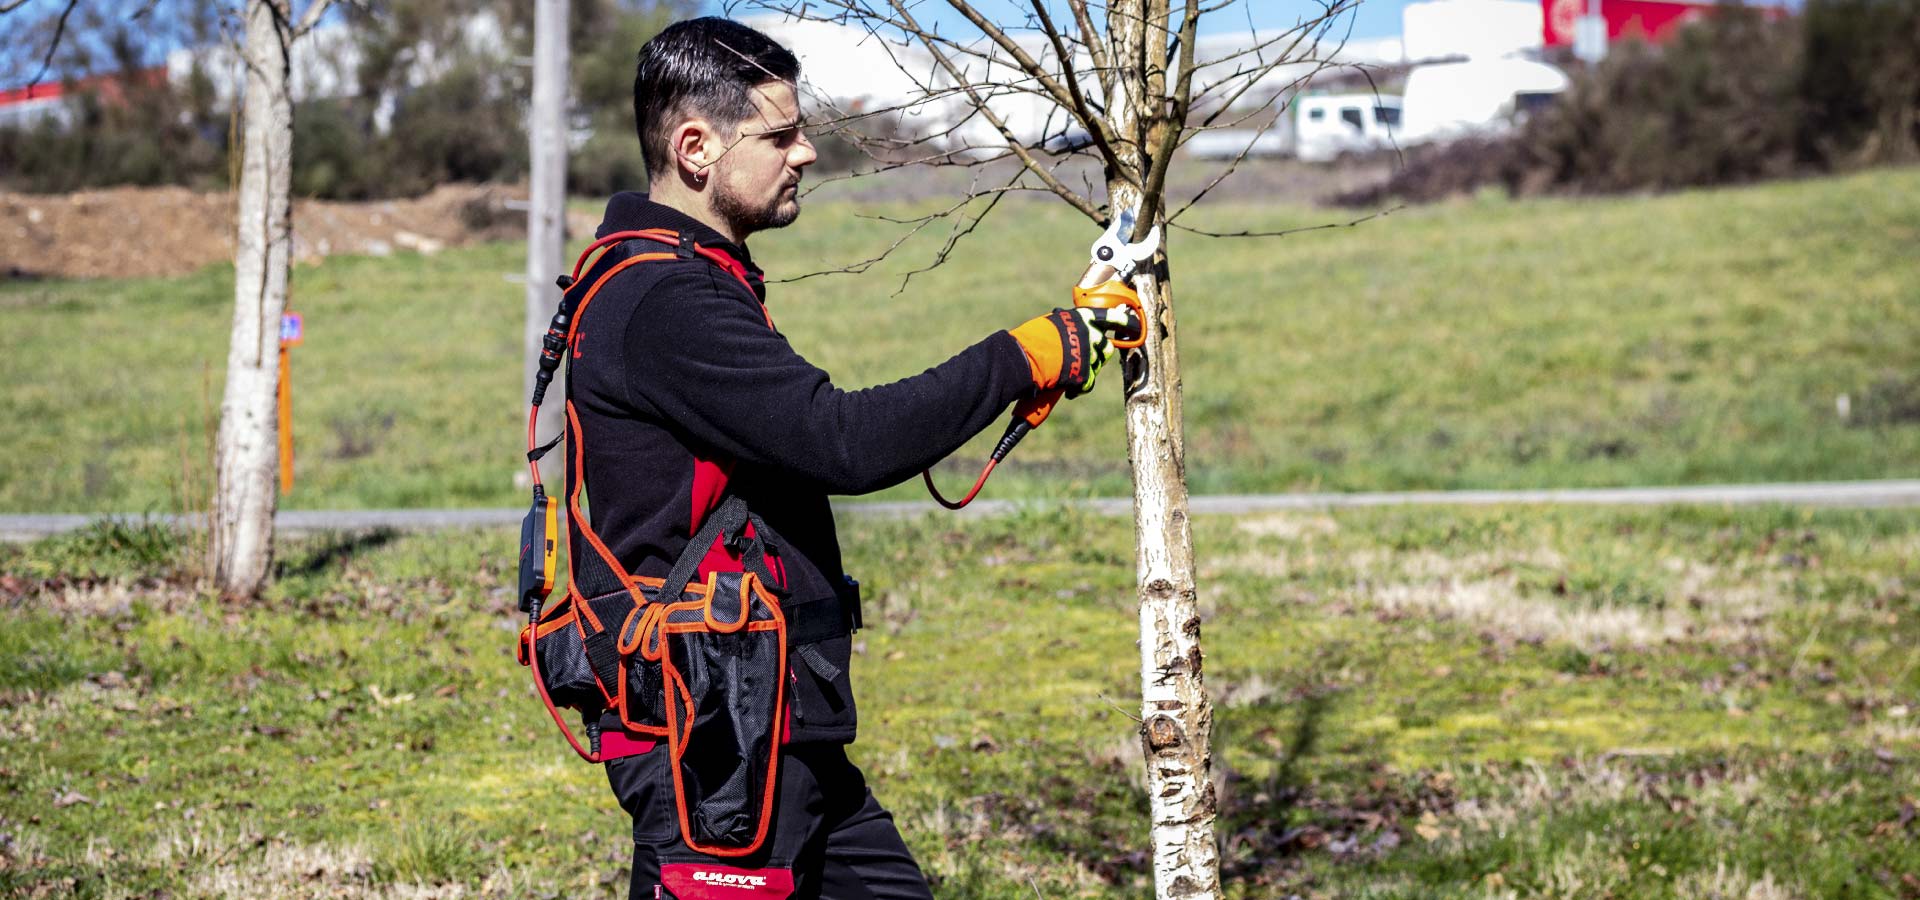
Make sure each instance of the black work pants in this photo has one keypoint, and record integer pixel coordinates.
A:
(827, 830)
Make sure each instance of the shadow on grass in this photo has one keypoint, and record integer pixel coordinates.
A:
(1257, 820)
(332, 550)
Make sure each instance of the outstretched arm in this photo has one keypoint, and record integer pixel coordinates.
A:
(702, 356)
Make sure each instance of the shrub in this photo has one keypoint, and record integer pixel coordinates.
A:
(1737, 97)
(1719, 105)
(152, 134)
(1860, 84)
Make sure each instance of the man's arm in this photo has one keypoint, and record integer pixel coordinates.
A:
(700, 353)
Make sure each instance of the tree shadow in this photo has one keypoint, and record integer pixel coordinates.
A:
(1256, 824)
(332, 549)
(1094, 816)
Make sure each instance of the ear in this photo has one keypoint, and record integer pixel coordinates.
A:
(695, 147)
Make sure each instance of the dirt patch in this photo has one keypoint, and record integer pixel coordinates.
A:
(123, 232)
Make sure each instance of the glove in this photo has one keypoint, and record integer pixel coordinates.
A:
(1066, 347)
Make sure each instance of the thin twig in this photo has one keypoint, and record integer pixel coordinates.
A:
(53, 46)
(1287, 231)
(1116, 708)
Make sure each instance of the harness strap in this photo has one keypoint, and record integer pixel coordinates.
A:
(603, 651)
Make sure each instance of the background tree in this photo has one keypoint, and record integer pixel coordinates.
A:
(1122, 86)
(130, 125)
(246, 450)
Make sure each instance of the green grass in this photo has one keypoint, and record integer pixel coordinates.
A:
(1695, 337)
(1409, 703)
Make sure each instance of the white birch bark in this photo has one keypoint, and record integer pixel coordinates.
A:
(1176, 716)
(247, 452)
(547, 201)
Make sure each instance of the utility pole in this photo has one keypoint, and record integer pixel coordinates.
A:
(547, 196)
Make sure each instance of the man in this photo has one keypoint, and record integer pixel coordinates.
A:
(686, 394)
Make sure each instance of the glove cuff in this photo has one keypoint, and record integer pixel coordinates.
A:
(1056, 347)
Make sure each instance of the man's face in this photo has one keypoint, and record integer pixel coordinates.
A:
(757, 181)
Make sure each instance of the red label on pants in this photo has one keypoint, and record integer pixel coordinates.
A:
(704, 881)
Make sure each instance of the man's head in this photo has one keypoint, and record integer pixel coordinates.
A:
(719, 123)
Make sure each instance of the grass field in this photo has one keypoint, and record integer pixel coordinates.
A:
(1685, 703)
(1697, 337)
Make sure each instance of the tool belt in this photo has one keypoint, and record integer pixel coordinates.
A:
(706, 666)
(702, 666)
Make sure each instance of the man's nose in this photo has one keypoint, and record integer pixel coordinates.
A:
(804, 154)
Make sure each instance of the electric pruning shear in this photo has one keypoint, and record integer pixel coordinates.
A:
(1107, 284)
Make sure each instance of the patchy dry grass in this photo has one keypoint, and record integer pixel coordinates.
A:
(1651, 703)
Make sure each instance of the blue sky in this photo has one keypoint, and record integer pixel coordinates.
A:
(1373, 18)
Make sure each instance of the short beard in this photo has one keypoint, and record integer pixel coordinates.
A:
(745, 218)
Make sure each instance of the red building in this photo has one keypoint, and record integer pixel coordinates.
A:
(34, 103)
(1647, 20)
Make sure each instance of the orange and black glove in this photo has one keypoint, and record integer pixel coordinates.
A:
(1067, 347)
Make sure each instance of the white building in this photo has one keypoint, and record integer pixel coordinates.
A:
(326, 64)
(847, 70)
(1476, 67)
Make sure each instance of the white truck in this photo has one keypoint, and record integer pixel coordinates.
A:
(1476, 97)
(1329, 126)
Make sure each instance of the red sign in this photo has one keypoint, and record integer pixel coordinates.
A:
(1647, 20)
(111, 86)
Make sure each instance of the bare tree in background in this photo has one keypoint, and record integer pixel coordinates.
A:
(247, 452)
(1120, 84)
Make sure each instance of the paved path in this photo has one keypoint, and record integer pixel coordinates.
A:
(1829, 493)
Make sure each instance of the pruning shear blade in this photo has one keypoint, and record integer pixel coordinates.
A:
(1112, 257)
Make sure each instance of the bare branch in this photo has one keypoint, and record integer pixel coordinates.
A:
(53, 46)
(953, 240)
(919, 224)
(1180, 99)
(1096, 125)
(312, 18)
(1013, 143)
(1026, 61)
(1096, 49)
(1287, 231)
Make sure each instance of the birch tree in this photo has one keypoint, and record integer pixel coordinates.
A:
(1120, 85)
(246, 451)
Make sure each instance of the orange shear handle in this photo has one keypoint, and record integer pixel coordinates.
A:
(1113, 295)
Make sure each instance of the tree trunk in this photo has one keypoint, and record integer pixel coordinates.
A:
(247, 453)
(1177, 718)
(547, 201)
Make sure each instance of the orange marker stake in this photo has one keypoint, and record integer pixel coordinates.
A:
(286, 423)
(292, 332)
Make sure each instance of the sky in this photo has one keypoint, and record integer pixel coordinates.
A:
(1373, 18)
(20, 60)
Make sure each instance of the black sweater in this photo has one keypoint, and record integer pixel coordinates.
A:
(684, 391)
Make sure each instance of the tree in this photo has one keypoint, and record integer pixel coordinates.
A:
(1127, 92)
(246, 451)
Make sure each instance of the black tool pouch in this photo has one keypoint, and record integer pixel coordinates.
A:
(820, 642)
(564, 669)
(711, 668)
(721, 651)
(724, 661)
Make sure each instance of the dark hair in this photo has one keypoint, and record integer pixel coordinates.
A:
(703, 67)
